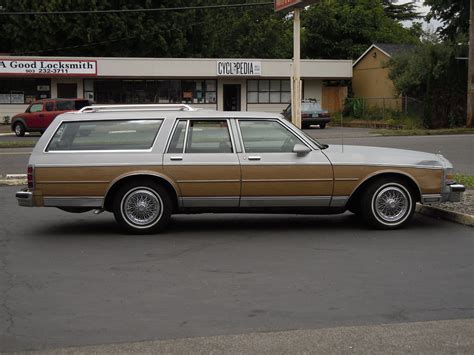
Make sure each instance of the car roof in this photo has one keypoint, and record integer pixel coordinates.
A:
(164, 114)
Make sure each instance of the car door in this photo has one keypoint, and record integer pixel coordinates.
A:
(35, 116)
(201, 159)
(49, 114)
(273, 175)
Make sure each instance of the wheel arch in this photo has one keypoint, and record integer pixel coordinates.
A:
(15, 120)
(163, 180)
(355, 195)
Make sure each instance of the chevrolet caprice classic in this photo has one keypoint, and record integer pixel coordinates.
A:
(147, 162)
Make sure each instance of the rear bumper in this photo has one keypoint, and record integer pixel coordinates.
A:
(25, 198)
(316, 120)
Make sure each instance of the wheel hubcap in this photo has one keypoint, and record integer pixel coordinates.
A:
(142, 207)
(17, 129)
(391, 204)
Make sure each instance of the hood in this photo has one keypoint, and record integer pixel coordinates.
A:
(360, 155)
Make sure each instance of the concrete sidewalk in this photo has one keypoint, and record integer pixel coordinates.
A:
(435, 337)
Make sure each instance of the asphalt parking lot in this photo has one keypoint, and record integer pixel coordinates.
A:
(76, 279)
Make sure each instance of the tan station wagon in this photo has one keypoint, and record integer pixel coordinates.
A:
(147, 162)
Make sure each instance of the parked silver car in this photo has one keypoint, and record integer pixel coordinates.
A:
(147, 162)
(311, 114)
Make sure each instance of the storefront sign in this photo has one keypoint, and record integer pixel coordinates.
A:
(288, 5)
(239, 68)
(25, 67)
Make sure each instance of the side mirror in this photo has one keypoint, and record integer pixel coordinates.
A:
(301, 149)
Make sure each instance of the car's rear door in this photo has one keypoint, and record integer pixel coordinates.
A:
(202, 160)
(275, 176)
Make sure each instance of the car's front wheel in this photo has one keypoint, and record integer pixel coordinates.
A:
(142, 207)
(388, 204)
(19, 129)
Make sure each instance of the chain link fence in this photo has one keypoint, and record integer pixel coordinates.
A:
(386, 109)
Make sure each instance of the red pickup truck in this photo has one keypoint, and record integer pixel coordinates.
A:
(41, 113)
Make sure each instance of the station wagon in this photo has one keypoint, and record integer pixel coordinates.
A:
(144, 163)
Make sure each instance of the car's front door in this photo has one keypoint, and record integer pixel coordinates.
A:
(201, 159)
(274, 175)
(35, 116)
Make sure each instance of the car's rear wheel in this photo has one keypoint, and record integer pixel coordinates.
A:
(322, 125)
(388, 204)
(19, 129)
(142, 207)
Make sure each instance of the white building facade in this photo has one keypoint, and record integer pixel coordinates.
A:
(219, 84)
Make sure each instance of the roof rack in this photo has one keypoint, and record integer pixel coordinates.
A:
(148, 107)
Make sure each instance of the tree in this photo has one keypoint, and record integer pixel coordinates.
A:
(432, 74)
(401, 12)
(230, 32)
(345, 29)
(453, 14)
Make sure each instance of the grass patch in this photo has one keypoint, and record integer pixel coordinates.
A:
(16, 144)
(466, 180)
(422, 132)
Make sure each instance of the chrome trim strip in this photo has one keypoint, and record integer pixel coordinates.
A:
(431, 198)
(205, 181)
(285, 201)
(346, 179)
(365, 164)
(73, 182)
(70, 201)
(339, 201)
(190, 202)
(285, 180)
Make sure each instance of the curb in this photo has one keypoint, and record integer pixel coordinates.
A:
(457, 217)
(13, 179)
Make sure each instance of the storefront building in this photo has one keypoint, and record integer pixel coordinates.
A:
(218, 84)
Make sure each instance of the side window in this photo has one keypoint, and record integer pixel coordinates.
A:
(49, 106)
(208, 136)
(177, 141)
(105, 135)
(65, 105)
(36, 108)
(261, 136)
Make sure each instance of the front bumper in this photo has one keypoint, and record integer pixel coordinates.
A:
(455, 192)
(25, 198)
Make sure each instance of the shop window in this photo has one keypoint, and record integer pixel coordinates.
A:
(268, 91)
(151, 91)
(24, 91)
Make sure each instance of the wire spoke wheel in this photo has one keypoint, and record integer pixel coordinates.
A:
(142, 207)
(391, 204)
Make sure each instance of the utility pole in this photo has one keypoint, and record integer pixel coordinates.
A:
(296, 97)
(470, 75)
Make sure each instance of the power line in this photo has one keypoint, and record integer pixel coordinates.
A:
(93, 44)
(164, 9)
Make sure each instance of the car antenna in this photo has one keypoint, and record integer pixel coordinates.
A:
(342, 133)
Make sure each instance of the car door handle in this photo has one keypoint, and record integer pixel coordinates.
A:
(176, 157)
(254, 157)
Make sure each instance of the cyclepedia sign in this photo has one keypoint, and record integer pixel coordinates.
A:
(48, 67)
(239, 68)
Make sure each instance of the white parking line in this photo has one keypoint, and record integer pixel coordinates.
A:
(7, 134)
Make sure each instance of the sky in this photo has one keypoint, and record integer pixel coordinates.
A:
(432, 25)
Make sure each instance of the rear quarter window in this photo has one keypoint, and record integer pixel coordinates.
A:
(105, 135)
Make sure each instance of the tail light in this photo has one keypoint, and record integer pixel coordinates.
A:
(31, 177)
(324, 114)
(305, 115)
